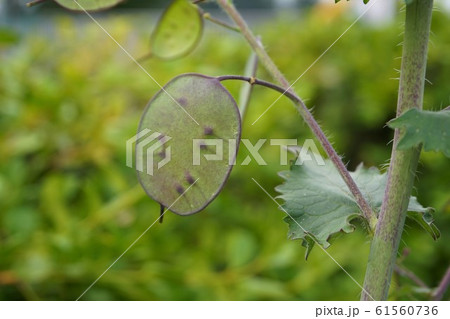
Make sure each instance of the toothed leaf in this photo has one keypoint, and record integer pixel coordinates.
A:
(423, 216)
(432, 129)
(320, 204)
(308, 243)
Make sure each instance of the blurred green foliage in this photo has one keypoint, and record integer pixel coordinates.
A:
(69, 206)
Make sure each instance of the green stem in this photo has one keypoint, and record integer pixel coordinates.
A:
(229, 8)
(145, 57)
(246, 90)
(207, 16)
(302, 109)
(402, 169)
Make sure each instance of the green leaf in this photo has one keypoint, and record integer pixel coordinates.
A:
(211, 105)
(423, 216)
(432, 129)
(178, 31)
(320, 204)
(308, 243)
(88, 5)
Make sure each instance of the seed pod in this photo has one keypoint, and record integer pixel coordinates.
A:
(189, 181)
(88, 5)
(178, 31)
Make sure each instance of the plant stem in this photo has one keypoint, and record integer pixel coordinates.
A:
(442, 288)
(402, 271)
(292, 96)
(207, 16)
(35, 2)
(302, 109)
(403, 165)
(145, 57)
(229, 8)
(246, 90)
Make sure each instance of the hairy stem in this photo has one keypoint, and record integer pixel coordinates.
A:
(229, 8)
(402, 169)
(442, 288)
(302, 109)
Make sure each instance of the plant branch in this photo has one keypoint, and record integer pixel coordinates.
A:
(207, 16)
(402, 170)
(34, 3)
(246, 90)
(229, 8)
(254, 81)
(442, 288)
(145, 57)
(301, 107)
(286, 89)
(404, 272)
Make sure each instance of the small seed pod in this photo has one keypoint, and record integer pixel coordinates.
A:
(177, 32)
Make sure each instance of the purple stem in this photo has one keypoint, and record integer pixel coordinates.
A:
(442, 288)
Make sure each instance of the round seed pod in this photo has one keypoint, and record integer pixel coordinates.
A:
(194, 130)
(178, 31)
